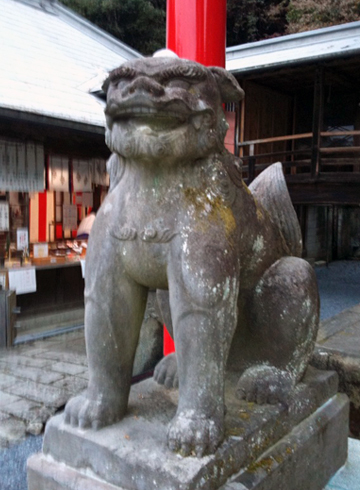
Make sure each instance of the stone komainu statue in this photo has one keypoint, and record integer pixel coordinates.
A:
(224, 258)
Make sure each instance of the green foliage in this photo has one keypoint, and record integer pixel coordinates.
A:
(305, 15)
(141, 23)
(252, 20)
(138, 23)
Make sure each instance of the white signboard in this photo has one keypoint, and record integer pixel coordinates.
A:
(22, 238)
(22, 280)
(41, 250)
(4, 216)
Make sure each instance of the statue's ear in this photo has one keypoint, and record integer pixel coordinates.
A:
(229, 88)
(105, 85)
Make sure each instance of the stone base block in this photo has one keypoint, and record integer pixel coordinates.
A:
(306, 458)
(266, 447)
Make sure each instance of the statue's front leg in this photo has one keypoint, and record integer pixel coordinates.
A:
(114, 308)
(204, 317)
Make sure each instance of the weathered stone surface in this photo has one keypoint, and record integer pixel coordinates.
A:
(10, 430)
(23, 409)
(34, 428)
(20, 360)
(134, 455)
(69, 357)
(6, 398)
(45, 474)
(338, 349)
(7, 380)
(334, 325)
(68, 368)
(306, 458)
(35, 374)
(72, 384)
(47, 394)
(179, 218)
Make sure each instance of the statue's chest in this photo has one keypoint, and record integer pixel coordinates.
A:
(144, 232)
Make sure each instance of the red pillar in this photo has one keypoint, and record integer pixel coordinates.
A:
(196, 30)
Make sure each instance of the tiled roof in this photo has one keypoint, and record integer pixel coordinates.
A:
(327, 43)
(49, 58)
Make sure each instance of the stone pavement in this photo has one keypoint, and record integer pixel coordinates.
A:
(338, 349)
(36, 380)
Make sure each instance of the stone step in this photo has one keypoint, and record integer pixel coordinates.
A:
(46, 322)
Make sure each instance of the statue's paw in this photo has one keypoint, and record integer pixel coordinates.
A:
(265, 384)
(195, 434)
(166, 372)
(87, 412)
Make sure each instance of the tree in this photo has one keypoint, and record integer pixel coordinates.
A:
(141, 23)
(305, 15)
(253, 20)
(138, 23)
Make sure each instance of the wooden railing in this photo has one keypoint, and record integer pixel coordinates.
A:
(312, 162)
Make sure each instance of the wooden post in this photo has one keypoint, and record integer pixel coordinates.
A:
(317, 121)
(251, 168)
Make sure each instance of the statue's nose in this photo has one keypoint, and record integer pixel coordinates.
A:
(144, 84)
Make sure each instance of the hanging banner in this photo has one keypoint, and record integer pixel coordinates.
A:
(21, 166)
(69, 217)
(101, 177)
(83, 199)
(82, 176)
(59, 173)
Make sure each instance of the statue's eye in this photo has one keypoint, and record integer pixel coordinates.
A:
(119, 82)
(178, 83)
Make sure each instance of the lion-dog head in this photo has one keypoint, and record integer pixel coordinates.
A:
(167, 108)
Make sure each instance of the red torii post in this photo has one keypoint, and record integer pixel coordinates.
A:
(196, 30)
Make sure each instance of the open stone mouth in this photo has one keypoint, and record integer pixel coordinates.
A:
(154, 118)
(158, 119)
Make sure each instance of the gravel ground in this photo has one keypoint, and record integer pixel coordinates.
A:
(13, 463)
(339, 286)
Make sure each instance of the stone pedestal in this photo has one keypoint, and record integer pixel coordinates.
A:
(266, 447)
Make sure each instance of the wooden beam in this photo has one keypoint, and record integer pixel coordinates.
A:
(277, 138)
(325, 193)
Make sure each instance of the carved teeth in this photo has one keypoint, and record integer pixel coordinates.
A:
(134, 111)
(197, 121)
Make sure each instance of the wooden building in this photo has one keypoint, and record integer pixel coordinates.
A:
(52, 154)
(301, 107)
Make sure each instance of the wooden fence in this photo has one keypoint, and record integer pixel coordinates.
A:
(331, 156)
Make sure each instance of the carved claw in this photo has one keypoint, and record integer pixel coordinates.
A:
(195, 434)
(85, 412)
(166, 372)
(265, 384)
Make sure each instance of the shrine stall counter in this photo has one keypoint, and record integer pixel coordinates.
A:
(58, 300)
(59, 284)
